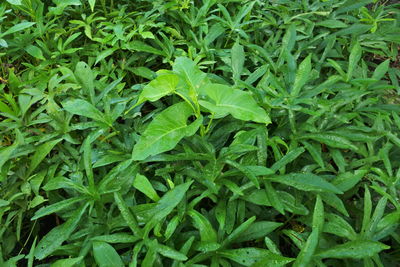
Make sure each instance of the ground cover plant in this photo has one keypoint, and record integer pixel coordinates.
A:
(199, 133)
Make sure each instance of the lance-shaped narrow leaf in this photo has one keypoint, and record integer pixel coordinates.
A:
(306, 182)
(223, 100)
(206, 231)
(83, 108)
(165, 131)
(105, 255)
(41, 152)
(143, 184)
(307, 251)
(237, 58)
(355, 56)
(58, 235)
(170, 200)
(85, 78)
(354, 249)
(254, 257)
(302, 75)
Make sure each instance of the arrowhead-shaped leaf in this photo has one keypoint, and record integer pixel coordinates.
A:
(223, 100)
(189, 72)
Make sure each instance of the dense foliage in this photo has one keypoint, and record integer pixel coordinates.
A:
(199, 133)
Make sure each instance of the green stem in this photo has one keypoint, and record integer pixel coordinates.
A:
(209, 123)
(196, 111)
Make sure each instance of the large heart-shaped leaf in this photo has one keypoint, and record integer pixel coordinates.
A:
(222, 100)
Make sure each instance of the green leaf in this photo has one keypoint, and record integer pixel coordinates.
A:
(171, 227)
(223, 100)
(334, 201)
(6, 153)
(144, 72)
(190, 73)
(170, 200)
(336, 225)
(239, 231)
(258, 197)
(355, 56)
(305, 256)
(85, 77)
(302, 76)
(332, 24)
(35, 52)
(15, 2)
(117, 238)
(147, 35)
(273, 197)
(220, 213)
(143, 47)
(257, 230)
(253, 256)
(3, 43)
(346, 181)
(103, 54)
(163, 85)
(376, 217)
(246, 171)
(71, 262)
(171, 253)
(53, 240)
(381, 70)
(165, 131)
(387, 225)
(288, 158)
(105, 255)
(237, 60)
(354, 249)
(332, 140)
(151, 254)
(92, 4)
(367, 211)
(4, 203)
(315, 152)
(142, 184)
(318, 216)
(274, 260)
(41, 152)
(206, 231)
(18, 27)
(306, 182)
(58, 206)
(83, 108)
(129, 218)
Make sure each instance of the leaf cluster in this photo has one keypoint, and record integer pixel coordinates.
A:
(199, 133)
